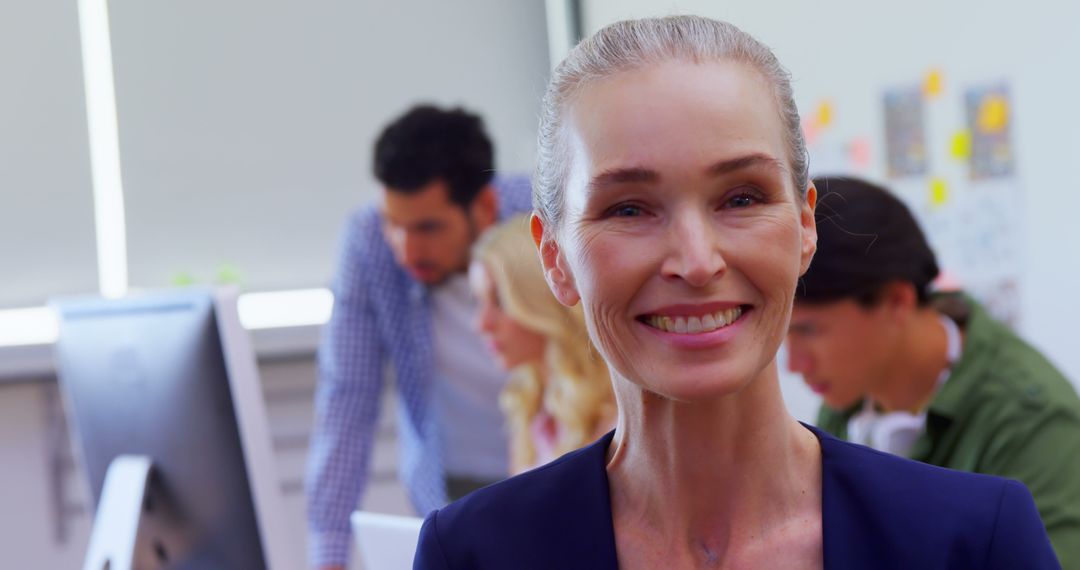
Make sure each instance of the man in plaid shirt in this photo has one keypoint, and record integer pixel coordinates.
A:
(401, 299)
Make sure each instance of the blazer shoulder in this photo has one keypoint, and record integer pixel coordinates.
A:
(883, 506)
(540, 492)
(554, 513)
(899, 484)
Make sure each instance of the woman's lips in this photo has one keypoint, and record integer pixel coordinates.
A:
(703, 339)
(693, 322)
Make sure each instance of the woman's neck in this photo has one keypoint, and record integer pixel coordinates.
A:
(714, 474)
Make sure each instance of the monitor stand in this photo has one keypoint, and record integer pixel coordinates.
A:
(131, 516)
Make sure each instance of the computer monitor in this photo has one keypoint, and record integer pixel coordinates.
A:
(164, 402)
(385, 541)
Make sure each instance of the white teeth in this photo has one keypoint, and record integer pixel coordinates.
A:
(695, 325)
(708, 323)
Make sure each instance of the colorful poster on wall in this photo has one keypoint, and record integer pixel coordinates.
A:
(978, 237)
(905, 132)
(989, 117)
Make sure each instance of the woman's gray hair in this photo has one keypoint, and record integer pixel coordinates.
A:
(632, 44)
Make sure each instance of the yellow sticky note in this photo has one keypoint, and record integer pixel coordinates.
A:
(932, 83)
(939, 192)
(993, 114)
(961, 145)
(824, 114)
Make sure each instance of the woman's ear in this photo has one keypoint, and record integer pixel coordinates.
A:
(556, 271)
(809, 228)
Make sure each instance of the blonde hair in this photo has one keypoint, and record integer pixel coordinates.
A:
(577, 391)
(632, 44)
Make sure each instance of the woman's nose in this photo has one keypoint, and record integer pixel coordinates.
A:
(694, 251)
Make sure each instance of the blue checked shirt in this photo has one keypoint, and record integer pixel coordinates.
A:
(381, 316)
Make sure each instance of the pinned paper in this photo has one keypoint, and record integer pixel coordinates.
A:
(811, 132)
(993, 114)
(932, 83)
(947, 281)
(960, 148)
(859, 153)
(824, 114)
(939, 192)
(989, 119)
(905, 132)
(228, 275)
(182, 279)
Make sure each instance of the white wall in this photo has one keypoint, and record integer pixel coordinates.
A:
(46, 210)
(246, 126)
(849, 51)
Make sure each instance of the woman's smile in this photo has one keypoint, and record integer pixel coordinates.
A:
(696, 327)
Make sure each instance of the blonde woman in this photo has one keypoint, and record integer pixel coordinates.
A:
(559, 395)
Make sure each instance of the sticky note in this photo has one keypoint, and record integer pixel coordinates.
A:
(993, 114)
(228, 275)
(859, 152)
(824, 114)
(947, 281)
(939, 192)
(960, 148)
(932, 83)
(811, 132)
(182, 279)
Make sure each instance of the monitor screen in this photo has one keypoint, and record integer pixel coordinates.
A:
(171, 376)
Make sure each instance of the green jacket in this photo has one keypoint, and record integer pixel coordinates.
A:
(1006, 411)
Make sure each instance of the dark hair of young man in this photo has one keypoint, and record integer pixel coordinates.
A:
(428, 143)
(867, 238)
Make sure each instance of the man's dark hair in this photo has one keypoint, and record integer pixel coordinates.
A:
(867, 238)
(427, 144)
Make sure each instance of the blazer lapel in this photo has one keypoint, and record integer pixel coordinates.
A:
(581, 517)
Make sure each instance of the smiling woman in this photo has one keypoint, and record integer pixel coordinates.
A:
(673, 205)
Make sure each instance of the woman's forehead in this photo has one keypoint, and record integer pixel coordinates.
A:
(674, 115)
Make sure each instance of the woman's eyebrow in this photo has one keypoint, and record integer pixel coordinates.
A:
(617, 176)
(625, 175)
(730, 165)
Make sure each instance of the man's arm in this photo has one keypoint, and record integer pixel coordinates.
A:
(346, 408)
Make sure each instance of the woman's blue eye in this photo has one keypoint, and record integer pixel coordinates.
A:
(626, 211)
(742, 201)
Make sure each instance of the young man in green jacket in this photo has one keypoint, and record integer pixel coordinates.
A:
(928, 376)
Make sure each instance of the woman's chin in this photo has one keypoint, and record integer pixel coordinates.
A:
(698, 386)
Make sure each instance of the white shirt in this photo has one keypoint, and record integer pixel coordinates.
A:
(467, 388)
(896, 432)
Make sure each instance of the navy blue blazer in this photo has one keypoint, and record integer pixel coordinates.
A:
(878, 511)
